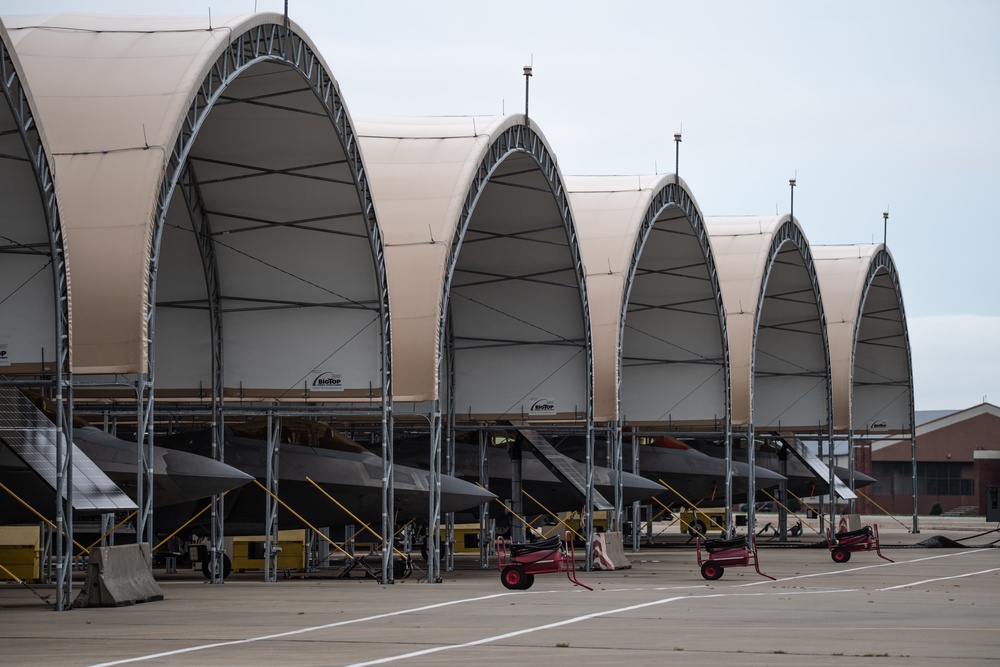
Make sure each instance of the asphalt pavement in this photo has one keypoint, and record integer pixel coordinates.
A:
(932, 606)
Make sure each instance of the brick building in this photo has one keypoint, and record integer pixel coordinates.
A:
(958, 457)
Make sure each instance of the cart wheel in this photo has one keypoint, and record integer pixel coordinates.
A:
(840, 555)
(698, 528)
(711, 570)
(529, 579)
(513, 577)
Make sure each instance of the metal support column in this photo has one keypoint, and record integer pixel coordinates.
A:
(636, 507)
(852, 503)
(144, 459)
(516, 491)
(485, 543)
(271, 548)
(751, 482)
(615, 440)
(434, 501)
(201, 225)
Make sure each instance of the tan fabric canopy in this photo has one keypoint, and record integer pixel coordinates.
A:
(428, 175)
(420, 170)
(869, 349)
(669, 349)
(112, 93)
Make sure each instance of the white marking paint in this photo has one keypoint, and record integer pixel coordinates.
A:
(928, 581)
(300, 631)
(862, 567)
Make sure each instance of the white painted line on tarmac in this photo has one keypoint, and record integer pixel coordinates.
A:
(290, 633)
(862, 567)
(928, 581)
(570, 621)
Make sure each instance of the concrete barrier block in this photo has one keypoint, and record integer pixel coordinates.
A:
(118, 576)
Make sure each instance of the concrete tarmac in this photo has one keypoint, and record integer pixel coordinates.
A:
(933, 606)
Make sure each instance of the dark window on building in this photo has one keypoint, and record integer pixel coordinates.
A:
(933, 479)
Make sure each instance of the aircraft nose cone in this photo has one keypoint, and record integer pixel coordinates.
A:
(763, 476)
(193, 477)
(860, 478)
(636, 488)
(458, 495)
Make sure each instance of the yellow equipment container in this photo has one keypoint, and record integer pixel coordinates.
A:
(248, 551)
(703, 521)
(466, 537)
(20, 550)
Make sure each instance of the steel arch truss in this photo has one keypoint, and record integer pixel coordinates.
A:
(881, 306)
(673, 196)
(272, 43)
(881, 334)
(26, 126)
(807, 297)
(519, 140)
(788, 238)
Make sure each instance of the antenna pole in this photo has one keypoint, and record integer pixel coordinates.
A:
(791, 185)
(677, 157)
(284, 44)
(885, 225)
(527, 79)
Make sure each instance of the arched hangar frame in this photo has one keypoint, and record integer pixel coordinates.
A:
(267, 42)
(674, 195)
(789, 232)
(518, 138)
(872, 367)
(26, 124)
(882, 265)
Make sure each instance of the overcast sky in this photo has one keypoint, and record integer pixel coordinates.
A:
(870, 105)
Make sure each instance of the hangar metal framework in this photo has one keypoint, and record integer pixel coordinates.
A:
(778, 335)
(264, 45)
(871, 365)
(257, 71)
(467, 280)
(485, 273)
(656, 302)
(41, 242)
(517, 296)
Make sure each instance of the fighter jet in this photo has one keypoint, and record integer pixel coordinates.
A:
(543, 490)
(802, 481)
(345, 470)
(693, 477)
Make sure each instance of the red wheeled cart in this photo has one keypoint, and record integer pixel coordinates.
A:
(736, 552)
(519, 563)
(842, 545)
